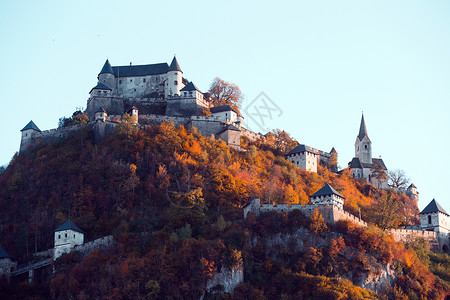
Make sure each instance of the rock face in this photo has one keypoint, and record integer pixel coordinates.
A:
(384, 277)
(228, 278)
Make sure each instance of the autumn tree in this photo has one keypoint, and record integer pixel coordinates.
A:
(386, 211)
(77, 118)
(318, 224)
(226, 93)
(333, 162)
(397, 179)
(378, 174)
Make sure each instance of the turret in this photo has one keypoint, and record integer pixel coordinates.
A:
(101, 114)
(28, 133)
(107, 77)
(363, 145)
(174, 81)
(67, 236)
(134, 113)
(412, 193)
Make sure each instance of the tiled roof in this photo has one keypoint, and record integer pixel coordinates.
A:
(4, 253)
(326, 190)
(221, 108)
(100, 86)
(140, 70)
(355, 163)
(301, 148)
(106, 68)
(69, 225)
(31, 125)
(412, 186)
(190, 87)
(174, 66)
(433, 206)
(380, 162)
(362, 129)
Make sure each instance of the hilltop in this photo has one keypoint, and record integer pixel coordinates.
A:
(173, 200)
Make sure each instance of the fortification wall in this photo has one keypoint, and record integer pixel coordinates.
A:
(112, 105)
(252, 136)
(101, 243)
(207, 126)
(47, 136)
(152, 119)
(182, 107)
(439, 241)
(103, 129)
(340, 214)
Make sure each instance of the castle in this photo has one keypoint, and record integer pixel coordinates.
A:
(152, 94)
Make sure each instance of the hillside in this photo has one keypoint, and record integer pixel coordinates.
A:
(173, 201)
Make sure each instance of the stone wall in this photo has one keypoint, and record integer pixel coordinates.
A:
(112, 105)
(101, 243)
(228, 278)
(437, 240)
(47, 136)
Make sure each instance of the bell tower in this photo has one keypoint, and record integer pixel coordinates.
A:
(363, 145)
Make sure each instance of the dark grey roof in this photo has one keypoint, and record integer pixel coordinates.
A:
(174, 66)
(412, 186)
(100, 86)
(140, 70)
(221, 108)
(190, 87)
(4, 253)
(69, 225)
(31, 125)
(326, 190)
(355, 163)
(380, 162)
(100, 109)
(301, 148)
(106, 68)
(362, 129)
(333, 150)
(433, 206)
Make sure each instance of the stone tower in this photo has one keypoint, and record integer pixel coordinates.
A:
(107, 77)
(28, 133)
(413, 193)
(434, 218)
(174, 81)
(363, 145)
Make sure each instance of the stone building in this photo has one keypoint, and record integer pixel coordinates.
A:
(362, 164)
(307, 158)
(413, 193)
(328, 195)
(7, 263)
(27, 135)
(434, 218)
(67, 236)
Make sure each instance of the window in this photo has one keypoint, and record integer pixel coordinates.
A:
(59, 236)
(74, 236)
(65, 235)
(131, 80)
(143, 79)
(429, 219)
(365, 146)
(120, 81)
(175, 82)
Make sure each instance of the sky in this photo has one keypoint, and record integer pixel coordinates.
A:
(320, 64)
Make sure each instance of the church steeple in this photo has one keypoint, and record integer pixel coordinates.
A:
(362, 129)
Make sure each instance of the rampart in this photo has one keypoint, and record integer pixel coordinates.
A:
(101, 243)
(439, 241)
(47, 136)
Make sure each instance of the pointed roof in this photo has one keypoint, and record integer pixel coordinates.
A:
(362, 129)
(333, 150)
(221, 108)
(101, 109)
(174, 66)
(31, 125)
(301, 148)
(106, 68)
(4, 253)
(412, 186)
(433, 206)
(68, 225)
(190, 87)
(230, 127)
(100, 86)
(326, 190)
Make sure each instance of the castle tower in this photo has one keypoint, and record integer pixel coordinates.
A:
(27, 135)
(434, 218)
(412, 193)
(363, 145)
(107, 77)
(101, 114)
(328, 195)
(174, 81)
(67, 236)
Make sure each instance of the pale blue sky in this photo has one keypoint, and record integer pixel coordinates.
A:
(322, 62)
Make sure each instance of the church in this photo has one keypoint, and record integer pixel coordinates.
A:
(363, 165)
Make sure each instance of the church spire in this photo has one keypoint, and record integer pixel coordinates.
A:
(362, 129)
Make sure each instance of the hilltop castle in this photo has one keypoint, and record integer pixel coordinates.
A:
(152, 94)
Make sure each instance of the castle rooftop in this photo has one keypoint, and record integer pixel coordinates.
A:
(68, 225)
(433, 206)
(31, 125)
(326, 190)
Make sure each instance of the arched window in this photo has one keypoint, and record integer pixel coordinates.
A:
(365, 146)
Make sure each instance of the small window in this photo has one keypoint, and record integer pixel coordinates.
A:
(65, 235)
(59, 236)
(175, 82)
(74, 236)
(131, 80)
(365, 146)
(120, 81)
(429, 219)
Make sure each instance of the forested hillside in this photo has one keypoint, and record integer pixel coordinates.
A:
(173, 201)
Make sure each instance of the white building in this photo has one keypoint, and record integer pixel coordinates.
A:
(7, 263)
(227, 114)
(434, 218)
(67, 236)
(328, 195)
(363, 163)
(304, 157)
